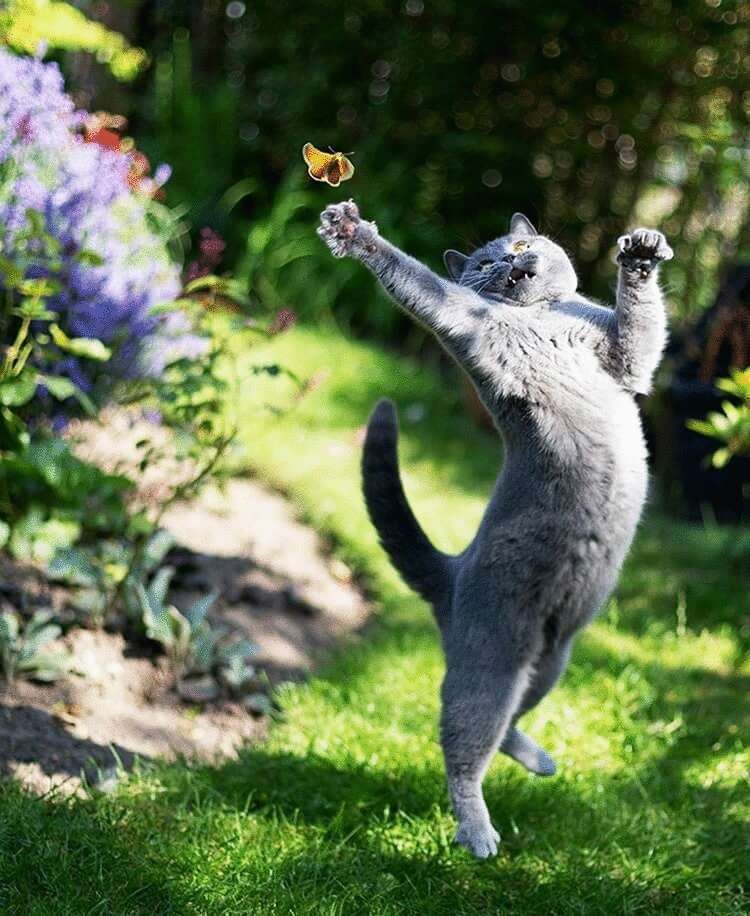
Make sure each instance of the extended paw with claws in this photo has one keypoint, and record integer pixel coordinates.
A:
(643, 250)
(345, 233)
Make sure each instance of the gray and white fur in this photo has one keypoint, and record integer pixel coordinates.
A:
(558, 374)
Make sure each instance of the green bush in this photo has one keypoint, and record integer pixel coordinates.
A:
(731, 426)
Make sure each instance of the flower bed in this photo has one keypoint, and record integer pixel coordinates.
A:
(68, 214)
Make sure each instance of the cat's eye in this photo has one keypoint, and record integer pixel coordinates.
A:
(484, 266)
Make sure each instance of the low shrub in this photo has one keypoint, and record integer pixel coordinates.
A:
(731, 425)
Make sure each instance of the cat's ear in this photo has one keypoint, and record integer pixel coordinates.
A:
(454, 263)
(521, 225)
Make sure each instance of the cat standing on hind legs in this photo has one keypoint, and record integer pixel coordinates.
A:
(558, 373)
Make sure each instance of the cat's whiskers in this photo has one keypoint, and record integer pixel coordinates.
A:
(480, 282)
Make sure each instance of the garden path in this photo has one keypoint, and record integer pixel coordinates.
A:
(278, 585)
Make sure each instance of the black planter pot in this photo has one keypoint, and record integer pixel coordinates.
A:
(723, 493)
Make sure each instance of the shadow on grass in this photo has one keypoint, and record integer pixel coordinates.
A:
(564, 824)
(377, 874)
(61, 857)
(376, 839)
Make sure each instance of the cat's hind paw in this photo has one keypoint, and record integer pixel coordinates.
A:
(342, 229)
(643, 250)
(521, 748)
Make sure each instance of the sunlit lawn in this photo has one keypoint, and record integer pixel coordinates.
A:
(344, 809)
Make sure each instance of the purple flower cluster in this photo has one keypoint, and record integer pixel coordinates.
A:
(81, 192)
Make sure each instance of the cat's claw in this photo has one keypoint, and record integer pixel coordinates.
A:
(480, 840)
(642, 250)
(342, 229)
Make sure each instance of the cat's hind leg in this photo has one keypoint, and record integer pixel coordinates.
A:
(523, 750)
(479, 702)
(516, 744)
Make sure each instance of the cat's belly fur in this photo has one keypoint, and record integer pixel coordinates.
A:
(553, 539)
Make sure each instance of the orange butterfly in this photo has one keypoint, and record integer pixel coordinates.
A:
(333, 168)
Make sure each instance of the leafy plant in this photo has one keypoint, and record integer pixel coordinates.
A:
(35, 339)
(81, 249)
(21, 648)
(732, 425)
(191, 644)
(234, 669)
(50, 500)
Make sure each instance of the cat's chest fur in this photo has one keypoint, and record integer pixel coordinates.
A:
(574, 479)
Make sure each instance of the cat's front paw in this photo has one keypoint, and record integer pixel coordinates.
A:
(643, 250)
(342, 229)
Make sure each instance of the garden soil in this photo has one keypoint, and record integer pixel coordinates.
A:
(278, 586)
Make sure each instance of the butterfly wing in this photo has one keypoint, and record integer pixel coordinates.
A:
(333, 172)
(317, 162)
(345, 166)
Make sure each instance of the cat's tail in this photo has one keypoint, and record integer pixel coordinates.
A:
(422, 566)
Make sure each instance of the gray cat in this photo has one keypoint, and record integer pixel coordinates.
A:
(558, 374)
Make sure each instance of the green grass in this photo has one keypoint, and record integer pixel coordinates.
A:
(344, 810)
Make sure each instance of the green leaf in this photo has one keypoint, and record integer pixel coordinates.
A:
(53, 535)
(202, 648)
(14, 392)
(239, 649)
(33, 641)
(4, 533)
(86, 347)
(8, 628)
(158, 546)
(59, 387)
(74, 566)
(210, 281)
(156, 592)
(157, 622)
(89, 257)
(721, 457)
(196, 613)
(35, 309)
(13, 433)
(702, 427)
(38, 288)
(25, 530)
(12, 274)
(49, 666)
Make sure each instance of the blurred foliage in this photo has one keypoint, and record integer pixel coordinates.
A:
(589, 117)
(29, 26)
(731, 426)
(21, 648)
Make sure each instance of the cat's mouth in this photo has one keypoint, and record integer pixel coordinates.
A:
(517, 274)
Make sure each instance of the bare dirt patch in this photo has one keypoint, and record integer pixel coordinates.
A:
(277, 586)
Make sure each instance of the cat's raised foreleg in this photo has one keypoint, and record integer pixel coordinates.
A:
(442, 306)
(640, 313)
(479, 702)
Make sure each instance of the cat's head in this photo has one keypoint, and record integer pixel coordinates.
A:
(522, 267)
